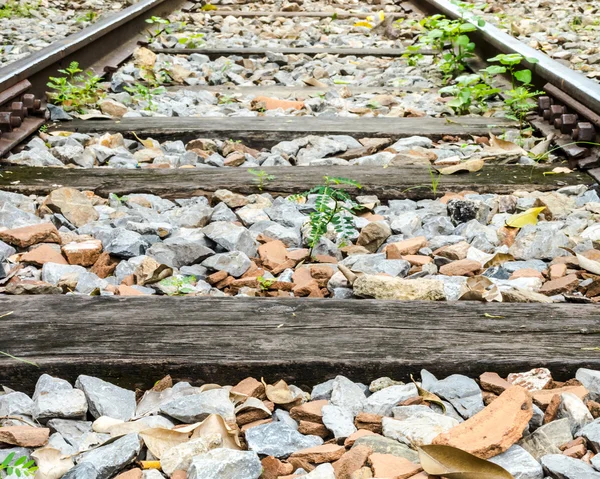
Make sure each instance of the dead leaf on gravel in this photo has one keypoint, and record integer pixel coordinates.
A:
(470, 166)
(427, 396)
(507, 146)
(480, 288)
(158, 440)
(216, 424)
(542, 147)
(498, 259)
(253, 403)
(51, 463)
(454, 463)
(279, 393)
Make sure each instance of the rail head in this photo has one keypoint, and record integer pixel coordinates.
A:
(26, 67)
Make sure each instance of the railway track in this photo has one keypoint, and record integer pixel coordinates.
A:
(203, 176)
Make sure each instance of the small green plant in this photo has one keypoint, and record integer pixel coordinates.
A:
(21, 467)
(469, 90)
(373, 105)
(193, 40)
(145, 93)
(332, 206)
(520, 99)
(226, 99)
(261, 177)
(436, 177)
(89, 17)
(43, 128)
(162, 25)
(76, 90)
(16, 8)
(178, 285)
(264, 284)
(439, 31)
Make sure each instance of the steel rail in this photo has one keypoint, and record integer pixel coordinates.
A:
(569, 81)
(114, 31)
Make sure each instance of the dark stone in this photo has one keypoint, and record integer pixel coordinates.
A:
(461, 211)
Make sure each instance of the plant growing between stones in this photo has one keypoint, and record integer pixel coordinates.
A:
(76, 90)
(264, 283)
(15, 8)
(333, 206)
(261, 177)
(88, 17)
(20, 467)
(145, 93)
(520, 99)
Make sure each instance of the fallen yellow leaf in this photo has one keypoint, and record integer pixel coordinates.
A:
(454, 463)
(529, 217)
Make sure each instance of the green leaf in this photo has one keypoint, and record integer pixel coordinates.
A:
(524, 76)
(7, 460)
(532, 60)
(462, 40)
(20, 461)
(467, 27)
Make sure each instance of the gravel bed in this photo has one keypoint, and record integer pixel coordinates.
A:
(113, 151)
(455, 247)
(528, 424)
(49, 21)
(567, 31)
(310, 6)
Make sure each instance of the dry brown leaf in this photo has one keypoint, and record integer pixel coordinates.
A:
(454, 463)
(216, 424)
(158, 440)
(470, 166)
(498, 259)
(51, 463)
(313, 82)
(427, 396)
(507, 146)
(474, 288)
(279, 393)
(253, 403)
(542, 146)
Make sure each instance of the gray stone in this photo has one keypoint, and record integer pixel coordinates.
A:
(231, 237)
(57, 113)
(179, 251)
(112, 458)
(67, 404)
(407, 143)
(180, 456)
(591, 432)
(512, 266)
(47, 383)
(519, 463)
(462, 392)
(559, 466)
(541, 241)
(16, 404)
(347, 395)
(591, 380)
(106, 399)
(222, 212)
(53, 272)
(416, 425)
(573, 408)
(196, 407)
(322, 390)
(195, 216)
(85, 470)
(72, 431)
(548, 438)
(384, 445)
(537, 419)
(6, 250)
(382, 402)
(285, 213)
(125, 244)
(427, 380)
(377, 263)
(234, 263)
(226, 464)
(58, 442)
(89, 282)
(278, 439)
(339, 420)
(283, 416)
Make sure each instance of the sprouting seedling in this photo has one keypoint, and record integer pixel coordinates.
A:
(435, 176)
(21, 467)
(332, 206)
(261, 177)
(264, 283)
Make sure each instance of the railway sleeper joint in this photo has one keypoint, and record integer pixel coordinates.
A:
(21, 115)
